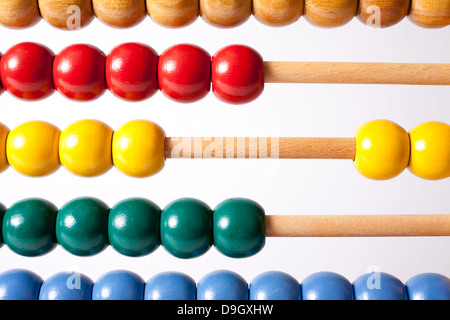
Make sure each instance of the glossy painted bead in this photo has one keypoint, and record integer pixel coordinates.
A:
(186, 228)
(29, 227)
(239, 227)
(32, 148)
(430, 13)
(428, 286)
(237, 74)
(184, 73)
(19, 284)
(4, 131)
(119, 285)
(138, 148)
(1, 86)
(173, 13)
(85, 148)
(430, 150)
(326, 286)
(79, 72)
(330, 14)
(385, 14)
(222, 285)
(26, 71)
(382, 149)
(2, 214)
(19, 14)
(275, 285)
(226, 14)
(170, 286)
(278, 13)
(133, 227)
(379, 286)
(67, 14)
(120, 13)
(67, 286)
(131, 71)
(82, 226)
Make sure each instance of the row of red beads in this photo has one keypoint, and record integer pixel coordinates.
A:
(132, 71)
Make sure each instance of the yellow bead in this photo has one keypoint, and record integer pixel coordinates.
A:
(382, 149)
(3, 136)
(32, 148)
(85, 148)
(138, 148)
(430, 150)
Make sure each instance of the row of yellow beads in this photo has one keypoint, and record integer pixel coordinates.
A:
(224, 13)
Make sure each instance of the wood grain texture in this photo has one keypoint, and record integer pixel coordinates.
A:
(430, 13)
(19, 13)
(120, 13)
(57, 12)
(173, 13)
(391, 12)
(278, 12)
(225, 13)
(330, 13)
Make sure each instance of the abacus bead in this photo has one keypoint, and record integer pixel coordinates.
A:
(26, 71)
(85, 148)
(67, 286)
(379, 286)
(119, 285)
(239, 227)
(2, 214)
(29, 227)
(120, 13)
(326, 286)
(430, 150)
(131, 71)
(430, 13)
(19, 284)
(382, 149)
(173, 13)
(170, 286)
(225, 13)
(79, 72)
(133, 227)
(186, 228)
(222, 285)
(138, 148)
(19, 13)
(330, 14)
(68, 14)
(274, 285)
(184, 73)
(82, 226)
(32, 148)
(428, 286)
(237, 74)
(4, 131)
(391, 12)
(279, 12)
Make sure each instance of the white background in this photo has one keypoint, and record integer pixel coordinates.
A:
(281, 187)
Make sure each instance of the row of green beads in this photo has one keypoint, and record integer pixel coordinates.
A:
(186, 227)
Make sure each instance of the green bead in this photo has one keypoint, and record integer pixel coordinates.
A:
(133, 227)
(82, 226)
(29, 227)
(239, 227)
(2, 213)
(186, 228)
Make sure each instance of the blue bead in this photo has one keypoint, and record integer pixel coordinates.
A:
(67, 286)
(428, 286)
(379, 286)
(170, 286)
(19, 284)
(275, 285)
(326, 286)
(222, 285)
(119, 285)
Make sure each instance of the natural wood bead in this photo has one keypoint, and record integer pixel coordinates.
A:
(120, 13)
(391, 12)
(226, 13)
(173, 13)
(278, 12)
(430, 13)
(330, 13)
(19, 13)
(60, 14)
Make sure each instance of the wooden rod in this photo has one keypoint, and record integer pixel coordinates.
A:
(358, 225)
(357, 73)
(260, 147)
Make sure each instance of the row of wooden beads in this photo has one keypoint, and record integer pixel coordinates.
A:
(178, 13)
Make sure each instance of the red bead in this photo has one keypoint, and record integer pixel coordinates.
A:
(26, 71)
(237, 74)
(1, 87)
(79, 72)
(184, 73)
(131, 71)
